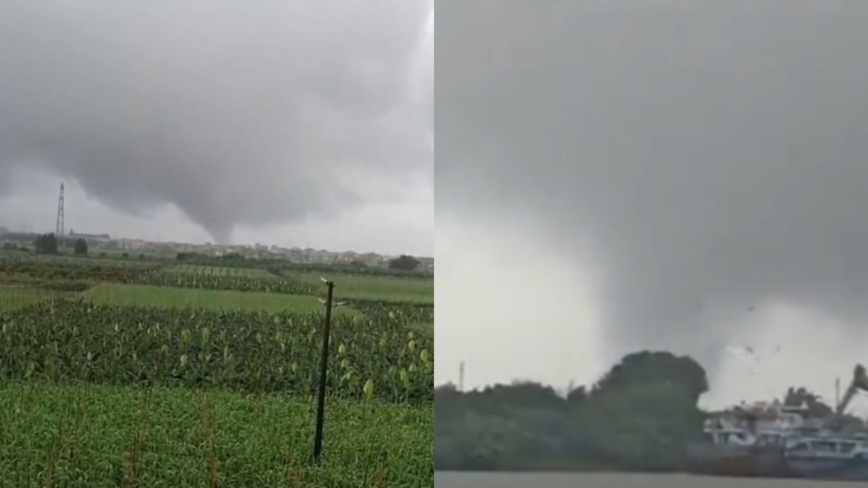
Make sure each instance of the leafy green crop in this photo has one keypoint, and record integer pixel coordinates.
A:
(258, 352)
(84, 436)
(211, 281)
(403, 312)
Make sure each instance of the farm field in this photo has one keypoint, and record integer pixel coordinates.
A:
(218, 270)
(168, 297)
(228, 279)
(377, 287)
(123, 373)
(16, 296)
(102, 436)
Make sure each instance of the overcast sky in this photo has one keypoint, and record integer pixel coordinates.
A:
(614, 176)
(293, 123)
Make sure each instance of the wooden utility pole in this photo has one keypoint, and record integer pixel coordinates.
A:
(323, 369)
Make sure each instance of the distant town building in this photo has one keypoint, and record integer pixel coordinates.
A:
(90, 237)
(132, 244)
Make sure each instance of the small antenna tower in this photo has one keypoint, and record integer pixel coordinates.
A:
(58, 231)
(461, 376)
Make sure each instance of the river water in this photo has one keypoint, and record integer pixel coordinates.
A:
(445, 479)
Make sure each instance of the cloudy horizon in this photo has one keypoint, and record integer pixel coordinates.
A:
(282, 123)
(668, 175)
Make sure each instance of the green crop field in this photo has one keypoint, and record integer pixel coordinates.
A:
(376, 287)
(218, 270)
(170, 297)
(122, 372)
(12, 297)
(203, 277)
(80, 436)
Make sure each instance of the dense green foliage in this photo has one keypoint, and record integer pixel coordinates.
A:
(374, 288)
(94, 437)
(401, 312)
(106, 381)
(66, 273)
(45, 244)
(211, 281)
(80, 247)
(280, 266)
(404, 263)
(353, 270)
(639, 416)
(388, 289)
(21, 296)
(218, 270)
(192, 298)
(254, 352)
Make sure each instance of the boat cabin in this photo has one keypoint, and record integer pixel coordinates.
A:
(759, 424)
(827, 447)
(744, 437)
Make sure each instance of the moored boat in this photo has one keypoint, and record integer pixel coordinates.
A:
(775, 440)
(746, 441)
(832, 457)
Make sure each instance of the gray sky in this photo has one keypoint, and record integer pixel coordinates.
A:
(685, 175)
(299, 123)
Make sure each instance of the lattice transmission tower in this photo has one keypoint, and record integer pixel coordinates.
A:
(58, 231)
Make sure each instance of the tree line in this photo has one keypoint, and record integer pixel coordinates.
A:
(639, 416)
(404, 266)
(49, 244)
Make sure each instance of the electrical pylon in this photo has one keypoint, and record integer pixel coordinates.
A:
(58, 231)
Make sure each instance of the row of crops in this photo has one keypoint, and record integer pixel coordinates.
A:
(281, 266)
(195, 334)
(64, 274)
(73, 274)
(387, 290)
(212, 281)
(67, 274)
(218, 271)
(77, 274)
(17, 259)
(58, 335)
(405, 313)
(257, 352)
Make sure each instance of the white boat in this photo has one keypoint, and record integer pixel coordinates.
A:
(833, 453)
(829, 457)
(776, 440)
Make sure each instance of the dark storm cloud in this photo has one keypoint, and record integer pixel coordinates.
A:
(714, 154)
(239, 113)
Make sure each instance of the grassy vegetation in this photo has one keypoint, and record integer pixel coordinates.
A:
(253, 352)
(81, 436)
(202, 277)
(385, 288)
(218, 270)
(136, 373)
(29, 259)
(170, 297)
(16, 296)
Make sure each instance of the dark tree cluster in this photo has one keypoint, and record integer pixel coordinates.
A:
(638, 416)
(45, 244)
(80, 247)
(404, 263)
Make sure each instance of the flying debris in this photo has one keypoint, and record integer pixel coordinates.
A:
(741, 352)
(744, 355)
